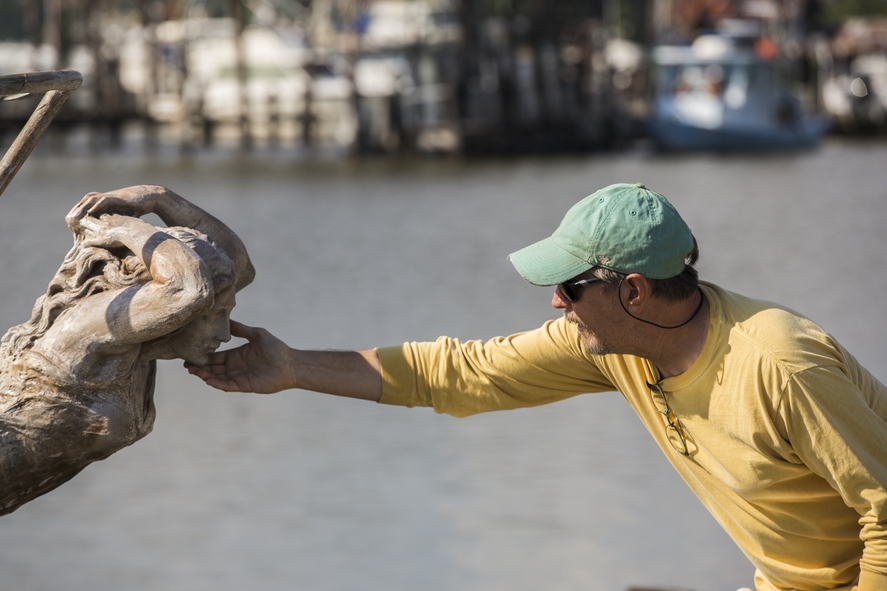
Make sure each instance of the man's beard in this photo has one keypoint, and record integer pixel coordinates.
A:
(592, 344)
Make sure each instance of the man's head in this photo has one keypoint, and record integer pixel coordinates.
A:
(623, 228)
(629, 249)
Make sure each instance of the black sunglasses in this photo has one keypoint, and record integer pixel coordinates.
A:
(674, 431)
(568, 289)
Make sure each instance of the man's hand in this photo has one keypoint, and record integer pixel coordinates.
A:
(266, 364)
(262, 365)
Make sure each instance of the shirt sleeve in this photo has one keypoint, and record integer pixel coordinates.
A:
(464, 378)
(835, 429)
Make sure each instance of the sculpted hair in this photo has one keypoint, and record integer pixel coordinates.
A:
(88, 270)
(673, 289)
(220, 266)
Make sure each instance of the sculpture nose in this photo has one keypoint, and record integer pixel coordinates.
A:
(223, 329)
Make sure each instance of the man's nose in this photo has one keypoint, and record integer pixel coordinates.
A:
(558, 302)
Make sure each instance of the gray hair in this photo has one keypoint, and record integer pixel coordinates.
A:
(673, 289)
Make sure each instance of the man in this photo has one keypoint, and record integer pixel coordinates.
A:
(776, 427)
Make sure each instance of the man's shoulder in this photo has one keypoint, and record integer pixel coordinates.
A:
(773, 331)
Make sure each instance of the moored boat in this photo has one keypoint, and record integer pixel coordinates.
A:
(728, 93)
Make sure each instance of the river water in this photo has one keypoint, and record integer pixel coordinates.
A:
(300, 491)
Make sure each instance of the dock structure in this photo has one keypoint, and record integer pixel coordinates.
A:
(354, 75)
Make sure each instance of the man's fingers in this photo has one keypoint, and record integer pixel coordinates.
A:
(203, 371)
(218, 357)
(214, 377)
(223, 385)
(250, 333)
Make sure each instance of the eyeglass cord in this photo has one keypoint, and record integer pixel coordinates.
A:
(687, 321)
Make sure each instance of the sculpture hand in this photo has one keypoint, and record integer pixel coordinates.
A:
(108, 231)
(132, 201)
(114, 231)
(174, 210)
(262, 365)
(81, 210)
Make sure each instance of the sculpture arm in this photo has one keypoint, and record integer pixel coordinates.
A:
(174, 210)
(179, 290)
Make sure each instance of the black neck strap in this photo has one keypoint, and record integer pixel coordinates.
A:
(692, 316)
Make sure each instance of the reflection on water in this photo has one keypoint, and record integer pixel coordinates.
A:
(301, 491)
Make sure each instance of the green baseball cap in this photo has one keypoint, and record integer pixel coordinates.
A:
(624, 227)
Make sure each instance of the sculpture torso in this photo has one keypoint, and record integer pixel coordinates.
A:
(43, 409)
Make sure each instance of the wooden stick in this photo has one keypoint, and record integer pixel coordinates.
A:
(39, 82)
(57, 86)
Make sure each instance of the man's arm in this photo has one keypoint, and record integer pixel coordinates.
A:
(835, 428)
(871, 581)
(454, 377)
(265, 365)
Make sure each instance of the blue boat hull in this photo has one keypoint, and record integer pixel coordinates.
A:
(671, 134)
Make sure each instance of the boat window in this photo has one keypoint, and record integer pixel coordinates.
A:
(760, 79)
(736, 92)
(664, 78)
(693, 79)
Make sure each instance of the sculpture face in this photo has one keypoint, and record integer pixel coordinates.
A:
(205, 334)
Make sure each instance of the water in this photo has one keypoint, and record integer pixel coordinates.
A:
(307, 492)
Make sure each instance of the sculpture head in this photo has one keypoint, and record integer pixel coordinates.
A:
(88, 270)
(203, 335)
(196, 340)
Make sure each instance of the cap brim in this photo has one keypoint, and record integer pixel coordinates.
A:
(546, 263)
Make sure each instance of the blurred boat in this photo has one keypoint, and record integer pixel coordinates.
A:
(728, 93)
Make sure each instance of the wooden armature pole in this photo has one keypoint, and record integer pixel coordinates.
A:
(56, 85)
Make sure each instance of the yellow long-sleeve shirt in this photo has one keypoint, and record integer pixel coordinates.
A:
(788, 433)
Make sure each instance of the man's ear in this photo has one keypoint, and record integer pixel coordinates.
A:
(636, 291)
